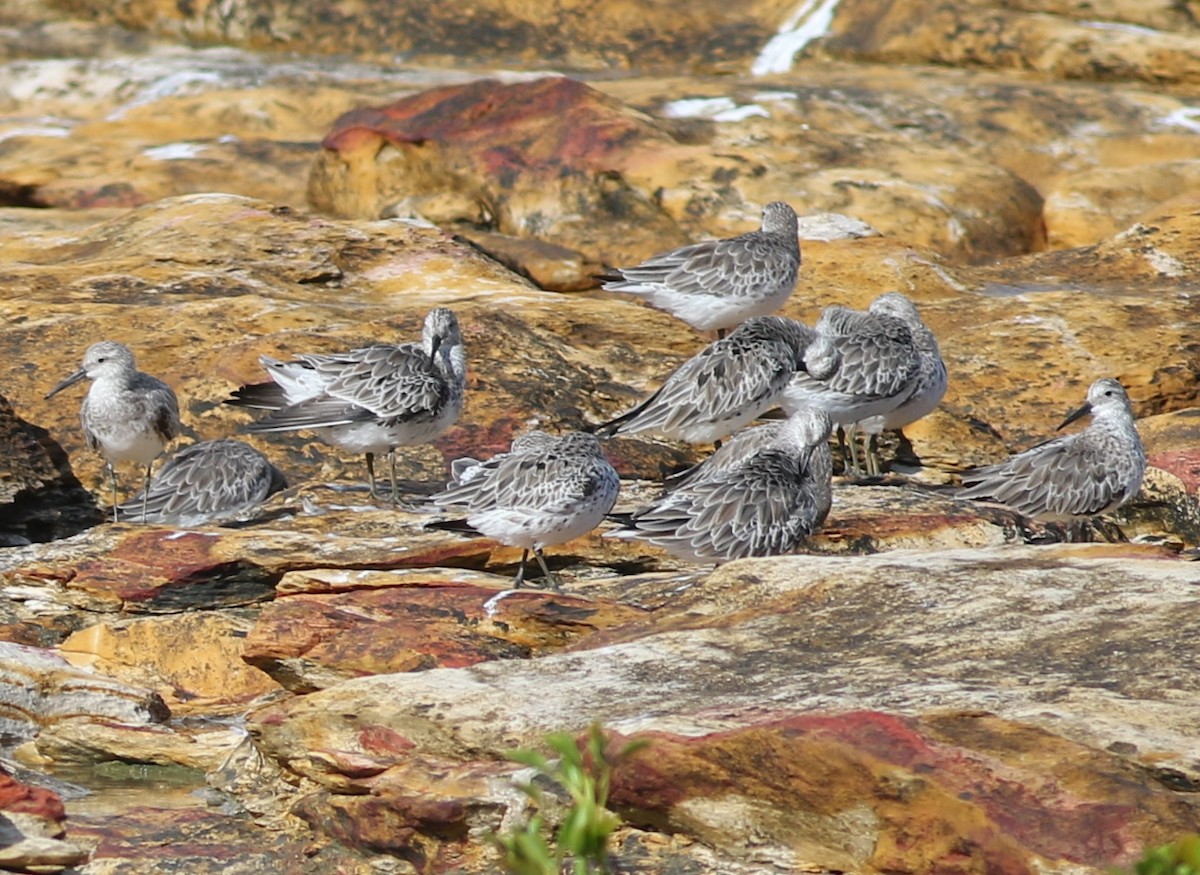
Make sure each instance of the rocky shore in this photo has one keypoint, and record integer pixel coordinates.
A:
(930, 686)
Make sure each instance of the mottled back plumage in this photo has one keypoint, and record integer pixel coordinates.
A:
(368, 400)
(546, 490)
(727, 384)
(931, 381)
(1072, 477)
(205, 483)
(718, 284)
(860, 365)
(761, 494)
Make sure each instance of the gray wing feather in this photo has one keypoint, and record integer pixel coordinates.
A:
(537, 476)
(398, 383)
(753, 510)
(877, 354)
(722, 382)
(207, 481)
(158, 401)
(1062, 477)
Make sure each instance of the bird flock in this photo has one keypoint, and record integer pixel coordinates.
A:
(764, 491)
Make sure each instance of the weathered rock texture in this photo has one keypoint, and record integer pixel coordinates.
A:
(705, 35)
(32, 829)
(916, 692)
(558, 161)
(40, 497)
(771, 661)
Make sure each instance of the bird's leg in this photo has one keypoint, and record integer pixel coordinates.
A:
(874, 463)
(553, 581)
(520, 578)
(841, 438)
(1076, 531)
(852, 440)
(392, 456)
(371, 473)
(146, 493)
(112, 480)
(1109, 528)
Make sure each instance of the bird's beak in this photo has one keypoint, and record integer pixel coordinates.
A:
(435, 345)
(1074, 415)
(69, 381)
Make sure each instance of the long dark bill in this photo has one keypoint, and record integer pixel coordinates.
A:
(69, 381)
(1074, 415)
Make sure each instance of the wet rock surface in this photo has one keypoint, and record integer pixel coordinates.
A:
(930, 685)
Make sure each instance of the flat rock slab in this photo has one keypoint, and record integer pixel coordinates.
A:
(39, 688)
(201, 841)
(387, 622)
(1049, 669)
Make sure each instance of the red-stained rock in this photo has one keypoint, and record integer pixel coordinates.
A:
(32, 829)
(958, 792)
(382, 623)
(21, 798)
(206, 842)
(543, 158)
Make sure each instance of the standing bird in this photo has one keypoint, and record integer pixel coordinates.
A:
(368, 400)
(761, 494)
(927, 390)
(546, 490)
(860, 367)
(205, 483)
(1072, 477)
(127, 415)
(729, 383)
(718, 284)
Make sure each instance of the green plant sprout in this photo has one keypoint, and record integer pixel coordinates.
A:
(582, 836)
(1181, 857)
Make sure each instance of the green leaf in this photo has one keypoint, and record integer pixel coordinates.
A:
(528, 758)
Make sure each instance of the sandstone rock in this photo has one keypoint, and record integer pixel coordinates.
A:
(193, 660)
(144, 840)
(380, 623)
(557, 161)
(930, 31)
(519, 154)
(705, 35)
(1085, 208)
(32, 834)
(40, 497)
(1038, 129)
(1161, 14)
(776, 655)
(87, 741)
(547, 265)
(874, 791)
(41, 688)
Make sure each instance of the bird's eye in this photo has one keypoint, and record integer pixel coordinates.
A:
(101, 360)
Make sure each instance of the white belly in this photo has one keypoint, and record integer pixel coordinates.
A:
(530, 530)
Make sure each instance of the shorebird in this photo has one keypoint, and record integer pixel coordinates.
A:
(1074, 477)
(729, 383)
(205, 483)
(128, 416)
(546, 490)
(718, 284)
(860, 367)
(369, 400)
(761, 494)
(928, 388)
